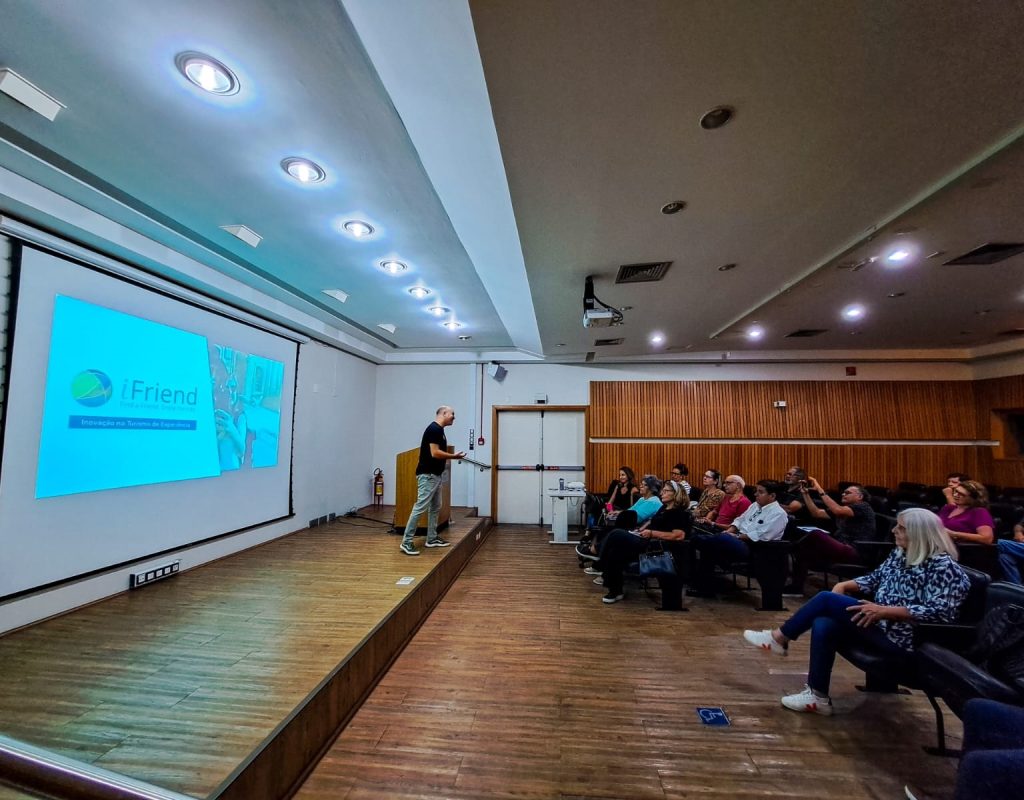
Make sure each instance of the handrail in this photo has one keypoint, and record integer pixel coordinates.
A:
(35, 769)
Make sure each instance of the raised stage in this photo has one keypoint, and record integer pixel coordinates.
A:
(228, 680)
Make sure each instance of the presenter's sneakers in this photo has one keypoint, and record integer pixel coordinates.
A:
(808, 702)
(408, 549)
(611, 597)
(438, 542)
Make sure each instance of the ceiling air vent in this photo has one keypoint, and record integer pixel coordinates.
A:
(806, 333)
(607, 342)
(642, 273)
(991, 253)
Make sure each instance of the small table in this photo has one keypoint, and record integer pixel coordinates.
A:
(560, 513)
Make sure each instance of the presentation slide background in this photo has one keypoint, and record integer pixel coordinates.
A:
(47, 540)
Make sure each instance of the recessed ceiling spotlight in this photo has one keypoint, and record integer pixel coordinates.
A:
(419, 292)
(207, 73)
(560, 344)
(755, 333)
(439, 311)
(657, 338)
(452, 324)
(853, 312)
(896, 294)
(897, 256)
(717, 117)
(726, 267)
(304, 170)
(393, 267)
(982, 312)
(674, 207)
(465, 337)
(936, 254)
(357, 228)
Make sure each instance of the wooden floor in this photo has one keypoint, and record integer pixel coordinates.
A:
(177, 683)
(522, 684)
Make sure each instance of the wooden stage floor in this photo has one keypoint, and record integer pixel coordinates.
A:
(519, 684)
(178, 683)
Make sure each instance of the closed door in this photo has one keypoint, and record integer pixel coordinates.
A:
(535, 450)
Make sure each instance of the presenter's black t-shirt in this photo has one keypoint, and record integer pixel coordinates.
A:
(428, 465)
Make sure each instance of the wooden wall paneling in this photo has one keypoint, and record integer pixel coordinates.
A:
(884, 465)
(992, 394)
(815, 410)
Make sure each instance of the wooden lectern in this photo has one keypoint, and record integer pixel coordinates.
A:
(405, 491)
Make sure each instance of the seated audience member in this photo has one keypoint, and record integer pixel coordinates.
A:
(920, 581)
(1011, 552)
(763, 521)
(642, 510)
(623, 491)
(967, 518)
(711, 497)
(953, 480)
(734, 503)
(855, 520)
(678, 474)
(790, 496)
(669, 526)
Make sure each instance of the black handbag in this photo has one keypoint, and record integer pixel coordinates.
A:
(657, 564)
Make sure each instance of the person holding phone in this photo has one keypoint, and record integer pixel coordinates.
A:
(920, 581)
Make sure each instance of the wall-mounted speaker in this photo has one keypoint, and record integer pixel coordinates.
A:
(497, 372)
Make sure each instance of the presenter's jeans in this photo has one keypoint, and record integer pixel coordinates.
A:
(831, 626)
(428, 498)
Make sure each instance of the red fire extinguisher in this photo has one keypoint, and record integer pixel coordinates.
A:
(378, 487)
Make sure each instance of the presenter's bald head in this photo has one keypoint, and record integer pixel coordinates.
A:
(445, 416)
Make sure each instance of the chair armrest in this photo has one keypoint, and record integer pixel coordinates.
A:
(957, 680)
(957, 638)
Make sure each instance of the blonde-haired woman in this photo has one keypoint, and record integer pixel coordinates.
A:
(920, 581)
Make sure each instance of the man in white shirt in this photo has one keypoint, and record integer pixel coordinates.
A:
(764, 521)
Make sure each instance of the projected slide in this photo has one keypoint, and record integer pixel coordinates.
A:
(130, 402)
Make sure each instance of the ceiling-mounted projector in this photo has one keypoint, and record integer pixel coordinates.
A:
(598, 317)
(597, 314)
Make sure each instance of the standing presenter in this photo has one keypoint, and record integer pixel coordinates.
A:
(429, 469)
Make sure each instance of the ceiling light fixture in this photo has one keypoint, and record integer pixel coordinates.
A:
(439, 311)
(657, 338)
(452, 324)
(337, 294)
(29, 95)
(387, 326)
(717, 117)
(419, 292)
(465, 337)
(755, 333)
(726, 267)
(898, 255)
(853, 312)
(207, 73)
(357, 228)
(393, 267)
(674, 207)
(304, 170)
(896, 294)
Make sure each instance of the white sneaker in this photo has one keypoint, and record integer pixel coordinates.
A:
(765, 641)
(808, 702)
(598, 581)
(592, 571)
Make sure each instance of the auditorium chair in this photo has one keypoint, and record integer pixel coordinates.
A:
(982, 557)
(884, 674)
(872, 552)
(769, 566)
(947, 673)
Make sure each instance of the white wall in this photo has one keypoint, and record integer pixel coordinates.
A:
(407, 399)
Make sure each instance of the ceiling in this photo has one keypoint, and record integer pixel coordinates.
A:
(506, 150)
